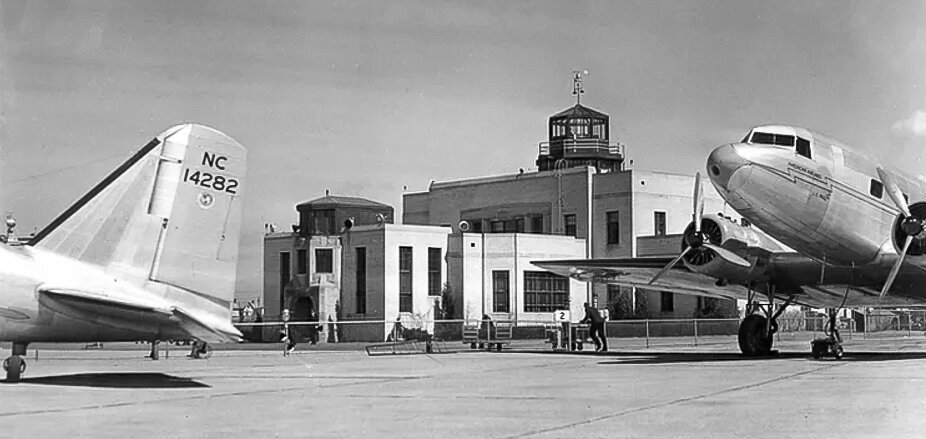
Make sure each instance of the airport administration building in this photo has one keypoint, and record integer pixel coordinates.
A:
(463, 248)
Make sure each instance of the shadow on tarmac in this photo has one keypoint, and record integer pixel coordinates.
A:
(117, 381)
(638, 357)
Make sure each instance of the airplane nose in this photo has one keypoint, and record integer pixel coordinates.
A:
(722, 163)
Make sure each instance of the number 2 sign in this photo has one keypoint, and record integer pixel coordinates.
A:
(562, 315)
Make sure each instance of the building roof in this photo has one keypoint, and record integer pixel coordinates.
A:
(578, 111)
(332, 200)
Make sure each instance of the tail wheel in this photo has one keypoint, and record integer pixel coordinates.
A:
(753, 338)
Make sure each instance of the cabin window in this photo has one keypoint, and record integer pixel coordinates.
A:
(803, 147)
(877, 189)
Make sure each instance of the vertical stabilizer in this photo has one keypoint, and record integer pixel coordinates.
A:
(171, 214)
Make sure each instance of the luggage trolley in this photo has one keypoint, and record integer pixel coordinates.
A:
(487, 334)
(568, 336)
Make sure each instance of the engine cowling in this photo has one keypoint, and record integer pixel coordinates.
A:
(725, 232)
(904, 228)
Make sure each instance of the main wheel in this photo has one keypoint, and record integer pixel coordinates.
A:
(14, 366)
(753, 339)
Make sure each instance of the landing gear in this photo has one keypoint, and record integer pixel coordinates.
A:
(756, 330)
(754, 339)
(14, 365)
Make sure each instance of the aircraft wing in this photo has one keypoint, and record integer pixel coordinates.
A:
(132, 313)
(636, 272)
(799, 278)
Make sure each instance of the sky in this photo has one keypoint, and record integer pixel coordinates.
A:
(375, 99)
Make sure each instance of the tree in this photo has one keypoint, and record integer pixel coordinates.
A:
(641, 308)
(448, 308)
(622, 306)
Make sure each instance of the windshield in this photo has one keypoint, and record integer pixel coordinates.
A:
(772, 139)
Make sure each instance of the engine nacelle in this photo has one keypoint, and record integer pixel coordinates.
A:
(724, 232)
(899, 232)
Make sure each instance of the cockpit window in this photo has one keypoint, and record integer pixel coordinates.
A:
(772, 139)
(803, 147)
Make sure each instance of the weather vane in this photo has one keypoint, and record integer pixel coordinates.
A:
(577, 89)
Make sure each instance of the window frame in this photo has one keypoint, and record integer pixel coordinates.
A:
(612, 219)
(876, 186)
(545, 291)
(657, 214)
(319, 268)
(570, 224)
(406, 278)
(501, 297)
(360, 277)
(435, 266)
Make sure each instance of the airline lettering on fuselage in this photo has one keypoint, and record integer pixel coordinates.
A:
(210, 179)
(816, 180)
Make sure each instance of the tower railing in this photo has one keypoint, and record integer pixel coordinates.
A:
(568, 147)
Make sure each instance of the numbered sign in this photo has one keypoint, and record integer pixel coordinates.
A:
(562, 315)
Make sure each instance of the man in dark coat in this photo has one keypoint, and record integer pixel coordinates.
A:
(596, 330)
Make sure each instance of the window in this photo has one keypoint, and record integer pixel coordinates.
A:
(570, 224)
(284, 275)
(361, 276)
(667, 302)
(537, 224)
(614, 228)
(324, 260)
(405, 279)
(877, 189)
(434, 269)
(659, 223)
(497, 226)
(476, 226)
(301, 264)
(545, 291)
(322, 222)
(772, 139)
(803, 147)
(500, 292)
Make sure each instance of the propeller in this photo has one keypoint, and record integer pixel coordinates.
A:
(911, 225)
(696, 239)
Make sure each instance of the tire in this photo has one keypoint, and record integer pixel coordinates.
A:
(837, 352)
(472, 345)
(753, 340)
(498, 347)
(579, 347)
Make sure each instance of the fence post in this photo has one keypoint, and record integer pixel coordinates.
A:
(647, 333)
(696, 332)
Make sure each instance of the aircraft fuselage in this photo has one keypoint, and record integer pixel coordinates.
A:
(824, 201)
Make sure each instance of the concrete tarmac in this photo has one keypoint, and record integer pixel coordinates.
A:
(877, 390)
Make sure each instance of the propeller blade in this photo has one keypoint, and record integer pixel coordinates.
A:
(896, 267)
(894, 192)
(663, 270)
(697, 207)
(727, 255)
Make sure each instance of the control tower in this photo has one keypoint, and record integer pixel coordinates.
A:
(580, 136)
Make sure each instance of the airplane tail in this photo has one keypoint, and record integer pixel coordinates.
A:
(169, 214)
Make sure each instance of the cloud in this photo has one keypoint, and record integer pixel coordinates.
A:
(915, 125)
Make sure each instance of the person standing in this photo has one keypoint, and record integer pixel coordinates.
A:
(596, 327)
(289, 342)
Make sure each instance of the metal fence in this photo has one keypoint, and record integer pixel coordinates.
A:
(644, 333)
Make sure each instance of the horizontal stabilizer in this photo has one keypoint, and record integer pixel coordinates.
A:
(202, 331)
(101, 303)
